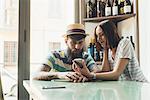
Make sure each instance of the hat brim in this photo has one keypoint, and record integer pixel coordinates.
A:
(77, 33)
(77, 37)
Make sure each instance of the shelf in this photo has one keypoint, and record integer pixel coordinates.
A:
(117, 18)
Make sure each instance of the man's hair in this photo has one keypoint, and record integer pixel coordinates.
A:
(110, 32)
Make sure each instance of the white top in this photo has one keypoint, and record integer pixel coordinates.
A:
(132, 71)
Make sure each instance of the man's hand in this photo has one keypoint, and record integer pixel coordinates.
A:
(45, 76)
(76, 77)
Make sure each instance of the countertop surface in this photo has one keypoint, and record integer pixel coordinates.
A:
(99, 90)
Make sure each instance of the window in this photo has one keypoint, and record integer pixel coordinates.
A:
(54, 45)
(10, 53)
(49, 19)
(55, 6)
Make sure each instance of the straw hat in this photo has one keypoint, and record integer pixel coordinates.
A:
(76, 30)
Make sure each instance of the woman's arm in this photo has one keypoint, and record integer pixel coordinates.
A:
(114, 74)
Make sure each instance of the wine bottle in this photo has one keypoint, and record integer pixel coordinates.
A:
(98, 8)
(91, 48)
(96, 54)
(127, 7)
(115, 8)
(89, 9)
(102, 7)
(108, 8)
(121, 7)
(101, 55)
(94, 8)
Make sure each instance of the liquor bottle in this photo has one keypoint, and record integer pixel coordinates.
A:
(96, 51)
(121, 7)
(115, 8)
(96, 54)
(108, 8)
(89, 9)
(91, 48)
(127, 7)
(101, 55)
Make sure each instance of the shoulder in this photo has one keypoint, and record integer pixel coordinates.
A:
(58, 53)
(124, 40)
(125, 43)
(86, 55)
(125, 49)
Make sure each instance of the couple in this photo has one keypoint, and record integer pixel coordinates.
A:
(119, 60)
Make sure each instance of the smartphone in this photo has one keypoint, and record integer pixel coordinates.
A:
(78, 61)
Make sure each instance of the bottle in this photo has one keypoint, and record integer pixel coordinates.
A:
(89, 9)
(115, 8)
(108, 8)
(101, 55)
(96, 54)
(94, 8)
(121, 7)
(98, 8)
(102, 6)
(91, 48)
(127, 7)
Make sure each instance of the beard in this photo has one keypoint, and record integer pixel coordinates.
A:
(73, 54)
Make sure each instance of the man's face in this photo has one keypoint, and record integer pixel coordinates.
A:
(75, 46)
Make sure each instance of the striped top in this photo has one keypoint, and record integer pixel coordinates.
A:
(58, 61)
(132, 71)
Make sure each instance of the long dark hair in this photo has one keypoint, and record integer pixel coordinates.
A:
(110, 32)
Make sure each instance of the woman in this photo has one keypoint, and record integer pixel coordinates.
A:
(119, 60)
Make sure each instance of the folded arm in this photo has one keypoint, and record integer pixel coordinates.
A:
(44, 73)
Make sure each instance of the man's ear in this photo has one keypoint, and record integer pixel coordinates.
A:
(66, 39)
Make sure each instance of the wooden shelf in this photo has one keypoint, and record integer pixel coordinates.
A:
(117, 18)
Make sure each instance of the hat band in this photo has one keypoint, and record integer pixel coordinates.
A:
(76, 30)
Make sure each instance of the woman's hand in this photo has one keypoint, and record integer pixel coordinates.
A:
(84, 71)
(104, 43)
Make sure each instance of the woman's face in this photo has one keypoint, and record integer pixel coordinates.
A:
(101, 38)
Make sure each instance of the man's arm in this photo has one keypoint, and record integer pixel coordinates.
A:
(45, 68)
(44, 73)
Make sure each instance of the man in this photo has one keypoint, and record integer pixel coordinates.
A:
(59, 63)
